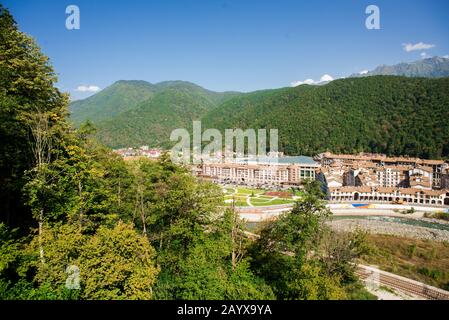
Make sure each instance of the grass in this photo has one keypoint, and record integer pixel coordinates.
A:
(256, 197)
(265, 197)
(281, 201)
(261, 204)
(437, 215)
(422, 260)
(256, 200)
(249, 191)
(387, 289)
(271, 203)
(238, 203)
(229, 190)
(357, 291)
(237, 196)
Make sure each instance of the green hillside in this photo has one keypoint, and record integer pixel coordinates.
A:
(387, 114)
(151, 122)
(134, 113)
(214, 97)
(119, 97)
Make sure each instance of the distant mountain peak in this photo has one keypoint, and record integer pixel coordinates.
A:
(132, 82)
(434, 67)
(126, 103)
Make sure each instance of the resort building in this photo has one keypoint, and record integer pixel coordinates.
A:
(445, 179)
(283, 171)
(392, 176)
(390, 171)
(389, 195)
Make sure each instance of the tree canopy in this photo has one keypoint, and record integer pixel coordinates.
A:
(78, 222)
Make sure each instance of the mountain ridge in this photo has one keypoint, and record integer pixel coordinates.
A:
(136, 112)
(125, 95)
(435, 67)
(381, 114)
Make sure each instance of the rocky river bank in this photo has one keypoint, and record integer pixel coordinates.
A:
(391, 228)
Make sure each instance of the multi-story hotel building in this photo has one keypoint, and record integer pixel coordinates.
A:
(445, 179)
(390, 170)
(382, 194)
(377, 178)
(392, 176)
(284, 171)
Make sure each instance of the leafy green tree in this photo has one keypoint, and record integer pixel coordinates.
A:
(118, 264)
(291, 257)
(30, 106)
(114, 263)
(211, 268)
(339, 250)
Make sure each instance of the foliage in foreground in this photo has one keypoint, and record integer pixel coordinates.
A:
(301, 258)
(72, 210)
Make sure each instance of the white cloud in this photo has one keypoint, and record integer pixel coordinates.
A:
(423, 55)
(87, 89)
(298, 83)
(446, 56)
(324, 78)
(417, 46)
(295, 83)
(363, 72)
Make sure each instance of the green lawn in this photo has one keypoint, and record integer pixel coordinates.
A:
(229, 190)
(265, 197)
(281, 201)
(249, 191)
(238, 203)
(236, 197)
(257, 200)
(256, 197)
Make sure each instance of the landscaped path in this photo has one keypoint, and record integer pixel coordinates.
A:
(253, 198)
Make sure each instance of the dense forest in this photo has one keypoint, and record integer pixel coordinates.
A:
(384, 114)
(154, 119)
(135, 113)
(78, 222)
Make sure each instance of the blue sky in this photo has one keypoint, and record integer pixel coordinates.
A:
(242, 45)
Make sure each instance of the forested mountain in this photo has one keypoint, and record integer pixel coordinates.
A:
(388, 114)
(393, 115)
(152, 121)
(436, 67)
(117, 98)
(384, 114)
(132, 113)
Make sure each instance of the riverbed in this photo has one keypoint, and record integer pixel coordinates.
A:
(426, 229)
(410, 227)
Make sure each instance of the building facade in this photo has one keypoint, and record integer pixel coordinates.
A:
(390, 171)
(284, 171)
(445, 179)
(389, 195)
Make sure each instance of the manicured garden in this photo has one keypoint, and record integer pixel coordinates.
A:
(251, 197)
